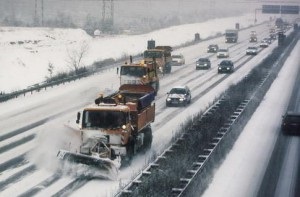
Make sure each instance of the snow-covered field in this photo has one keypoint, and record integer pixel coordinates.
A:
(26, 53)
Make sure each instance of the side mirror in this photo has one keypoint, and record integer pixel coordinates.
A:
(78, 118)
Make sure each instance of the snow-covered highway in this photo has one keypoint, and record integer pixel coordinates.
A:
(45, 113)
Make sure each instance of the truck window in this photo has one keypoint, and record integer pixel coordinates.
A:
(103, 119)
(231, 34)
(133, 71)
(153, 54)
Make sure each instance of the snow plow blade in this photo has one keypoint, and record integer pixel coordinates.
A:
(102, 168)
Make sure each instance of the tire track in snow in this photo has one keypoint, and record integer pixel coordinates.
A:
(46, 183)
(16, 177)
(17, 143)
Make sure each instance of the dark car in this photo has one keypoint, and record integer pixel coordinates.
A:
(226, 66)
(273, 36)
(179, 96)
(253, 39)
(212, 48)
(203, 63)
(291, 123)
(268, 40)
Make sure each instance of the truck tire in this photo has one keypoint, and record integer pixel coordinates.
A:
(147, 139)
(168, 68)
(155, 85)
(126, 160)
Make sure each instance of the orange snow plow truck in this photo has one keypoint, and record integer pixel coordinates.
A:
(115, 128)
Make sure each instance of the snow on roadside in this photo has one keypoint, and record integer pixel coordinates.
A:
(236, 177)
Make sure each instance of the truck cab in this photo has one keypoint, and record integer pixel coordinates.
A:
(231, 36)
(140, 74)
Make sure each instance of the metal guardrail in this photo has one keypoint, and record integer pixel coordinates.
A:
(40, 86)
(227, 135)
(96, 67)
(196, 177)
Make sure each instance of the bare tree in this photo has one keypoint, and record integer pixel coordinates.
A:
(50, 69)
(76, 56)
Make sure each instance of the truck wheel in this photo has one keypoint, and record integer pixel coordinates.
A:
(147, 139)
(168, 68)
(126, 160)
(156, 87)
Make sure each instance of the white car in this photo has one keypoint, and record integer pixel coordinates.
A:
(264, 44)
(223, 53)
(178, 60)
(251, 50)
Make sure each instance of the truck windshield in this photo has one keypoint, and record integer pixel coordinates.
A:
(133, 71)
(103, 119)
(230, 34)
(152, 54)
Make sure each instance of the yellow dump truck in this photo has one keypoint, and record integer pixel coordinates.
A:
(161, 55)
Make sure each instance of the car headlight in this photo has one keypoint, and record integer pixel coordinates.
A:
(168, 99)
(228, 68)
(219, 68)
(181, 99)
(205, 64)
